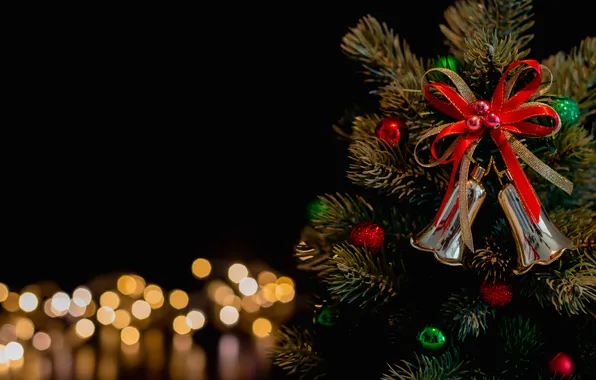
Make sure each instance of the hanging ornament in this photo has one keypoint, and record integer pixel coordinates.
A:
(496, 294)
(443, 237)
(502, 118)
(446, 62)
(536, 242)
(567, 109)
(392, 130)
(561, 365)
(368, 234)
(432, 338)
(316, 209)
(325, 315)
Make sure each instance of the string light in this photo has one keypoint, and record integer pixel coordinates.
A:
(110, 299)
(180, 325)
(261, 327)
(201, 268)
(14, 351)
(237, 272)
(82, 296)
(60, 302)
(141, 309)
(28, 302)
(229, 315)
(41, 341)
(130, 335)
(248, 286)
(106, 315)
(195, 319)
(3, 292)
(178, 299)
(84, 328)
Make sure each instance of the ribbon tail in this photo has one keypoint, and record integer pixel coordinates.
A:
(464, 216)
(522, 184)
(539, 167)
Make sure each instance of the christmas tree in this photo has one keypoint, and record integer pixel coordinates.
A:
(466, 249)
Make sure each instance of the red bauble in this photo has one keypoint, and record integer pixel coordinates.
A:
(392, 130)
(496, 294)
(369, 235)
(561, 365)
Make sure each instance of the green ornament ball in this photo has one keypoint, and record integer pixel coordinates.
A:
(432, 338)
(446, 62)
(567, 109)
(325, 316)
(316, 209)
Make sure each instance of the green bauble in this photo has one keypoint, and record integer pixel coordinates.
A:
(567, 109)
(316, 209)
(446, 62)
(325, 316)
(432, 338)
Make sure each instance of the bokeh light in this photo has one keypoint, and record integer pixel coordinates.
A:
(76, 310)
(82, 296)
(106, 315)
(130, 335)
(250, 305)
(261, 327)
(42, 341)
(121, 319)
(11, 303)
(180, 325)
(84, 328)
(266, 277)
(233, 300)
(201, 268)
(24, 328)
(284, 293)
(60, 302)
(154, 296)
(237, 272)
(178, 299)
(285, 280)
(28, 302)
(248, 286)
(3, 292)
(4, 360)
(14, 351)
(195, 319)
(141, 309)
(221, 293)
(268, 292)
(126, 285)
(229, 315)
(110, 299)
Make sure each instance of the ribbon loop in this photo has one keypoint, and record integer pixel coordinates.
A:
(515, 111)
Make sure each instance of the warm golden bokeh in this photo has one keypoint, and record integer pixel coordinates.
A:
(285, 280)
(141, 309)
(82, 296)
(180, 325)
(248, 286)
(195, 319)
(121, 319)
(3, 292)
(106, 315)
(237, 272)
(266, 277)
(42, 341)
(284, 292)
(250, 305)
(24, 328)
(130, 335)
(229, 315)
(84, 328)
(110, 299)
(126, 285)
(201, 268)
(178, 299)
(11, 303)
(60, 303)
(261, 327)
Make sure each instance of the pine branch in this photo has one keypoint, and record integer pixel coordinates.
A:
(342, 212)
(522, 343)
(356, 275)
(574, 76)
(295, 353)
(377, 165)
(508, 19)
(487, 56)
(448, 366)
(573, 156)
(569, 291)
(380, 52)
(495, 259)
(466, 316)
(312, 251)
(404, 98)
(579, 225)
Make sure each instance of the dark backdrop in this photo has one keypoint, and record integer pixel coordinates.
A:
(144, 142)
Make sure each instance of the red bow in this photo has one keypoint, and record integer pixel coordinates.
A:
(512, 112)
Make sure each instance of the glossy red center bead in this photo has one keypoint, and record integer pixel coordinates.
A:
(492, 120)
(474, 123)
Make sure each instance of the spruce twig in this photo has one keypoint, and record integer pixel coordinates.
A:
(522, 343)
(448, 366)
(468, 317)
(295, 353)
(358, 276)
(342, 212)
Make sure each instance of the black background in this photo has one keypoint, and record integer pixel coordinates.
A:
(149, 138)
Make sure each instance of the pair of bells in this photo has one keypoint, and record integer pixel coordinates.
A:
(536, 243)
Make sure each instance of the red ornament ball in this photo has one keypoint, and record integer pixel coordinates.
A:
(474, 123)
(496, 294)
(368, 234)
(561, 365)
(392, 130)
